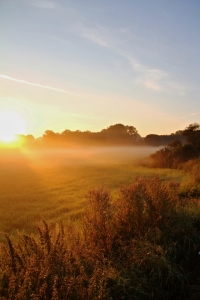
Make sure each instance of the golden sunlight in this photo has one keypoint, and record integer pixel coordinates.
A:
(11, 124)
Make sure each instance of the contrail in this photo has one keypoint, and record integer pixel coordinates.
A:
(38, 85)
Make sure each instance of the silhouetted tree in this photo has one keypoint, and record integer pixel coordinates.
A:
(30, 138)
(120, 129)
(51, 137)
(192, 134)
(153, 140)
(176, 153)
(117, 134)
(121, 133)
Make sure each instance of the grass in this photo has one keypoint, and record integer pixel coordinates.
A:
(134, 237)
(142, 247)
(53, 184)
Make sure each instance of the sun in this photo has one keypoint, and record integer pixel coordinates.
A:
(11, 124)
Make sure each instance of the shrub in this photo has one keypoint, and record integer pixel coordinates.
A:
(97, 222)
(144, 206)
(193, 168)
(173, 155)
(142, 246)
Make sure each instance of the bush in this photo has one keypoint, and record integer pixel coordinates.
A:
(142, 246)
(173, 155)
(145, 205)
(193, 168)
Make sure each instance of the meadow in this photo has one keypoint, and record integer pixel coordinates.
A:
(95, 223)
(53, 184)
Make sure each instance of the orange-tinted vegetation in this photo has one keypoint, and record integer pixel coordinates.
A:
(177, 152)
(114, 135)
(135, 237)
(52, 184)
(142, 246)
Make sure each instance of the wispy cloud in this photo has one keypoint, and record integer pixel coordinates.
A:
(149, 81)
(95, 38)
(148, 77)
(38, 85)
(95, 34)
(103, 36)
(152, 78)
(194, 114)
(190, 115)
(46, 4)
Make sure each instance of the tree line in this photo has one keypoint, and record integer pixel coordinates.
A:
(118, 134)
(179, 151)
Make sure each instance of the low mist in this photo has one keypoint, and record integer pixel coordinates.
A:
(78, 155)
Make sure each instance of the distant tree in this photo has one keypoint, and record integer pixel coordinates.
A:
(30, 138)
(114, 134)
(50, 137)
(121, 129)
(131, 131)
(117, 129)
(192, 134)
(176, 144)
(66, 132)
(50, 134)
(153, 140)
(26, 140)
(121, 133)
(179, 132)
(173, 155)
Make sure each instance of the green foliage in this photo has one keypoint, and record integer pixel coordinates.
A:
(142, 246)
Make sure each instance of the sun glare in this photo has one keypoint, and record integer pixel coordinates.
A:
(11, 124)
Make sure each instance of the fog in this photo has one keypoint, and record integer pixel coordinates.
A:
(91, 155)
(77, 155)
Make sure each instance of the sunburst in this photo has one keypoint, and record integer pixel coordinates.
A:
(11, 124)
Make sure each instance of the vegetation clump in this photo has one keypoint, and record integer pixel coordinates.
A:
(184, 156)
(177, 152)
(142, 246)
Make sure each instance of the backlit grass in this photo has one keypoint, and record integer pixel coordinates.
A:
(53, 184)
(143, 246)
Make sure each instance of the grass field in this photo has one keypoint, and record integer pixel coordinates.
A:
(53, 184)
(139, 242)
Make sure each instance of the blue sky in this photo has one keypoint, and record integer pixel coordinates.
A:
(89, 64)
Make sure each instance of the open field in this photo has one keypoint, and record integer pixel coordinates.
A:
(53, 184)
(142, 241)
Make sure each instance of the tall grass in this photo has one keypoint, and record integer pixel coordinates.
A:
(142, 245)
(53, 185)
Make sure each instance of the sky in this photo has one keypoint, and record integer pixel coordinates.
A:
(86, 65)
